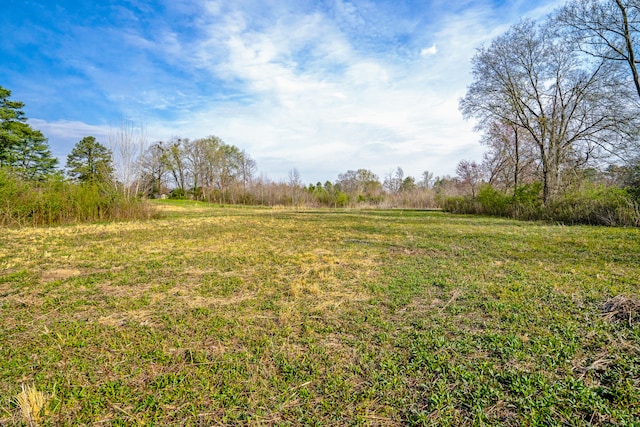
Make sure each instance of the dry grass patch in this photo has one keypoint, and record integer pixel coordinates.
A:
(138, 317)
(622, 309)
(59, 274)
(31, 404)
(196, 301)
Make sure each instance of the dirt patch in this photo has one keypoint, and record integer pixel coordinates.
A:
(59, 274)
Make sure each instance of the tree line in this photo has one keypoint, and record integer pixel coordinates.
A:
(556, 102)
(102, 181)
(210, 170)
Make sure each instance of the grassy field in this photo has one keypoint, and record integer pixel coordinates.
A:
(234, 316)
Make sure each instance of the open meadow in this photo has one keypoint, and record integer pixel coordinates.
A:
(233, 316)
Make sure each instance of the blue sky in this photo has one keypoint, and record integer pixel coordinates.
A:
(321, 86)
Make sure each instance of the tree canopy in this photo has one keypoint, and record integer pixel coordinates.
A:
(90, 161)
(22, 147)
(533, 80)
(12, 124)
(608, 29)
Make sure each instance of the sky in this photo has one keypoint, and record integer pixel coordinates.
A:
(322, 86)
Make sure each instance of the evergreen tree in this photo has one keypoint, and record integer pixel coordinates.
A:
(31, 156)
(90, 161)
(12, 124)
(21, 146)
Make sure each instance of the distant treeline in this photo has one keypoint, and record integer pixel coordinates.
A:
(556, 102)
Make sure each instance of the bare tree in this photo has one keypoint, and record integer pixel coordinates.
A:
(393, 181)
(248, 170)
(606, 29)
(174, 156)
(127, 144)
(348, 182)
(195, 155)
(511, 158)
(534, 80)
(229, 162)
(360, 185)
(470, 174)
(295, 185)
(294, 178)
(153, 168)
(427, 180)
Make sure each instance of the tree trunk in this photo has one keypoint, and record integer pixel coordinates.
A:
(517, 161)
(629, 45)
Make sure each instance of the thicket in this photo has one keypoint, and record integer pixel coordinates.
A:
(56, 201)
(590, 204)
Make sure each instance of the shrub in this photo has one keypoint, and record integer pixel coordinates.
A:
(596, 206)
(178, 193)
(493, 202)
(460, 205)
(55, 201)
(342, 199)
(528, 202)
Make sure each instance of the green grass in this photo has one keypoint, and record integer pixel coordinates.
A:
(233, 316)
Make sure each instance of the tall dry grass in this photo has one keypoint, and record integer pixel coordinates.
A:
(57, 201)
(31, 404)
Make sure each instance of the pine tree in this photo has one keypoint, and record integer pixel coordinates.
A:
(12, 124)
(22, 147)
(31, 156)
(90, 161)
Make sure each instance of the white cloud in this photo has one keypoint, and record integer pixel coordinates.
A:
(69, 129)
(64, 134)
(300, 88)
(327, 112)
(429, 51)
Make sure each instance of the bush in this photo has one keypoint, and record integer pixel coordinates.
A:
(342, 199)
(178, 194)
(526, 203)
(461, 205)
(55, 201)
(493, 202)
(596, 206)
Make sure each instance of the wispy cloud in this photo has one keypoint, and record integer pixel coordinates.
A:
(324, 88)
(71, 131)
